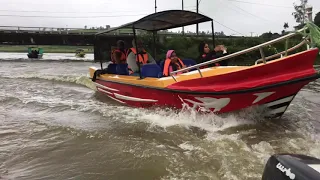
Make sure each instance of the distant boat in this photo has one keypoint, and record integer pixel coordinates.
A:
(80, 53)
(35, 52)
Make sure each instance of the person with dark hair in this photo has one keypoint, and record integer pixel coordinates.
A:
(119, 54)
(207, 55)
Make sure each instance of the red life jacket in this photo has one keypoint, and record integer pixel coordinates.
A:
(123, 57)
(142, 58)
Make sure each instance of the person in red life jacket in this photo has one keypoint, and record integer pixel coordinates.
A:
(119, 55)
(207, 55)
(172, 63)
(143, 57)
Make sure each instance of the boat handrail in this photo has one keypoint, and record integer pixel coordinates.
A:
(305, 41)
(260, 46)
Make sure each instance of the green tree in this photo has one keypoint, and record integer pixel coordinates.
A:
(286, 25)
(299, 13)
(317, 19)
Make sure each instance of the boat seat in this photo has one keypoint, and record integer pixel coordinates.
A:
(151, 70)
(161, 64)
(112, 69)
(189, 62)
(122, 69)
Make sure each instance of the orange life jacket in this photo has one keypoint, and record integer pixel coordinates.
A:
(142, 58)
(123, 57)
(167, 66)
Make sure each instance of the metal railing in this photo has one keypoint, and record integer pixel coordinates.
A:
(285, 52)
(258, 47)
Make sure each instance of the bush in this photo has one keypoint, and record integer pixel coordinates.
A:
(187, 47)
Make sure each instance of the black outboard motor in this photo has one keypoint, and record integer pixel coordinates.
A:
(292, 167)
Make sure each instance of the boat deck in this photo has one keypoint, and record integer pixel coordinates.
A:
(166, 81)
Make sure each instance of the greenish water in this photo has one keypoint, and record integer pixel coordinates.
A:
(54, 125)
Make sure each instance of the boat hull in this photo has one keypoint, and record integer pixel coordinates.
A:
(35, 56)
(221, 89)
(276, 98)
(80, 55)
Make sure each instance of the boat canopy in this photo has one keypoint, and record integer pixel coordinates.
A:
(164, 20)
(30, 49)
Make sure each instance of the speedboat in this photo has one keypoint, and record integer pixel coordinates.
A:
(272, 82)
(35, 52)
(80, 53)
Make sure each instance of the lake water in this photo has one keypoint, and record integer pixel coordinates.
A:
(54, 125)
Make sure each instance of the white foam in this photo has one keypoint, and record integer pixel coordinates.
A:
(78, 79)
(188, 147)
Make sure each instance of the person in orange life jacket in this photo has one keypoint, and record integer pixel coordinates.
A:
(119, 55)
(207, 55)
(143, 57)
(172, 63)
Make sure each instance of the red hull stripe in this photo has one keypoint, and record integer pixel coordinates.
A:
(308, 78)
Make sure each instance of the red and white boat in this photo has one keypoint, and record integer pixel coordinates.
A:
(271, 83)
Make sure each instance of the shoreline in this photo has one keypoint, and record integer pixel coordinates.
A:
(46, 49)
(58, 52)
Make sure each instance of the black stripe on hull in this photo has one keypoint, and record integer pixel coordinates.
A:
(278, 107)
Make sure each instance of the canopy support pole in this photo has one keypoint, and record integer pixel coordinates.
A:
(154, 45)
(135, 43)
(212, 29)
(95, 48)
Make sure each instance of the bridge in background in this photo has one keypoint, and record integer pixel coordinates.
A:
(52, 30)
(18, 35)
(55, 30)
(14, 35)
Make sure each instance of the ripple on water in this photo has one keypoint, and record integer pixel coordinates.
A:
(54, 127)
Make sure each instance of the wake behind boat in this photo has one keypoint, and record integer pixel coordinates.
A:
(272, 83)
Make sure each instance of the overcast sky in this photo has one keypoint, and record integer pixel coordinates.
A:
(235, 16)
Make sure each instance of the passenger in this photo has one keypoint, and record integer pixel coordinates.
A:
(119, 55)
(34, 53)
(143, 57)
(206, 55)
(172, 63)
